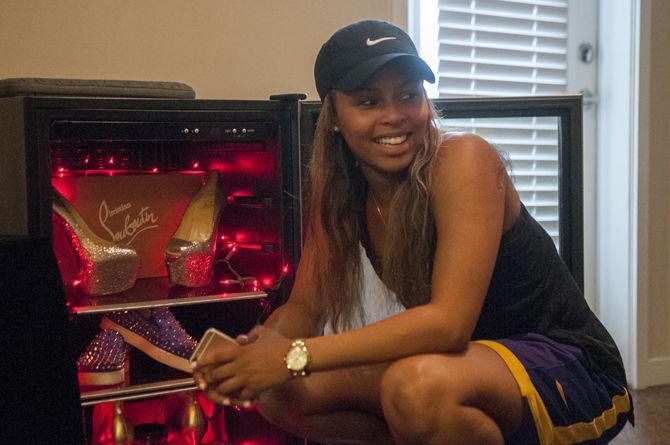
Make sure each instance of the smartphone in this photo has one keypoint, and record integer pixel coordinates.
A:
(211, 339)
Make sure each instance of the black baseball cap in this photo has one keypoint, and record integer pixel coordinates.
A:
(355, 52)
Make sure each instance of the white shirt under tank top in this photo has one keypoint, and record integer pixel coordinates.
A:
(377, 301)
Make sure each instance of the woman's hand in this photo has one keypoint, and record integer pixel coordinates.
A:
(240, 373)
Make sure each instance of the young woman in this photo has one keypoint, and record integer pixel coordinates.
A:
(449, 317)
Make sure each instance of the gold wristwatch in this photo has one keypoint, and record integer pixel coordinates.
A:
(297, 358)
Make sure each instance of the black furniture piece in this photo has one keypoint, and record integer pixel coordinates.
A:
(40, 400)
(45, 141)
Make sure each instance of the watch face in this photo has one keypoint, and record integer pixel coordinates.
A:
(296, 359)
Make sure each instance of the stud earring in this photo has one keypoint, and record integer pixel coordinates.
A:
(336, 129)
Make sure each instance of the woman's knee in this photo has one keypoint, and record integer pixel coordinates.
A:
(413, 390)
(429, 395)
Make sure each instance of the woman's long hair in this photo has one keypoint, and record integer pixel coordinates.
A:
(337, 195)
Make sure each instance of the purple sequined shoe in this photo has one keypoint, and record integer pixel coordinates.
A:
(159, 335)
(104, 360)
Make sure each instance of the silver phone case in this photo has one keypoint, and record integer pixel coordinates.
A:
(210, 339)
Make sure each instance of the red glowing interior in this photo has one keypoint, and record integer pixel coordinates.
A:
(144, 186)
(249, 232)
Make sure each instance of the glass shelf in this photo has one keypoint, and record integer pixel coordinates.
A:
(137, 392)
(157, 292)
(145, 378)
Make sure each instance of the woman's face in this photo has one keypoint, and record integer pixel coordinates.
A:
(384, 121)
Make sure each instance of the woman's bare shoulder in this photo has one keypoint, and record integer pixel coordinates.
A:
(469, 167)
(467, 151)
(461, 140)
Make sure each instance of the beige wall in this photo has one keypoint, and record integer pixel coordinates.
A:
(658, 328)
(224, 49)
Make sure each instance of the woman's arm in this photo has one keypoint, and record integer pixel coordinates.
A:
(469, 209)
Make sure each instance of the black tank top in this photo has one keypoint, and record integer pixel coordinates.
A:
(532, 290)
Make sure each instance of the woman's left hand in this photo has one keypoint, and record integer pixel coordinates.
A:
(242, 373)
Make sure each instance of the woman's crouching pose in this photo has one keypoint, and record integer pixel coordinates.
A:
(429, 307)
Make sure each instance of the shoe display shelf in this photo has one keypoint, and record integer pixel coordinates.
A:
(95, 143)
(147, 378)
(158, 292)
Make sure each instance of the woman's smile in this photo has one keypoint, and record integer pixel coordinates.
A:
(391, 140)
(394, 145)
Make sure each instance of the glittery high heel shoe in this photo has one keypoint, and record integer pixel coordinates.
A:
(190, 252)
(104, 268)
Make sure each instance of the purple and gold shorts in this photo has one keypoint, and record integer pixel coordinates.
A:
(570, 402)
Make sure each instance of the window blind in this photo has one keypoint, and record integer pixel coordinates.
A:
(510, 48)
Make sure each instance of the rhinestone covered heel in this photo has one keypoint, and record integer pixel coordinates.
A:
(104, 268)
(159, 335)
(189, 255)
(104, 361)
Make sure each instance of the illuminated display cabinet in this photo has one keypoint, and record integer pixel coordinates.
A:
(119, 188)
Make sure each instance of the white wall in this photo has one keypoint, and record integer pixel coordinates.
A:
(224, 49)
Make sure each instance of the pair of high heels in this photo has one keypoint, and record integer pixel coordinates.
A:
(105, 268)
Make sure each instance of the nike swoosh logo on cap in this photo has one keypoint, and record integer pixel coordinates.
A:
(370, 42)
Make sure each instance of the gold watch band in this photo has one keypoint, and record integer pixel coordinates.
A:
(297, 358)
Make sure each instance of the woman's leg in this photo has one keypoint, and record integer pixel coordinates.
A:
(452, 399)
(341, 406)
